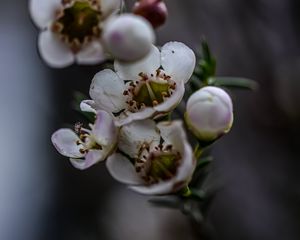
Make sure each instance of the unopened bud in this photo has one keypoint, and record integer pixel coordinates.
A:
(209, 113)
(128, 37)
(155, 11)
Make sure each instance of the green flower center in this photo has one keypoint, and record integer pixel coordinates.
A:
(160, 165)
(87, 141)
(78, 23)
(149, 91)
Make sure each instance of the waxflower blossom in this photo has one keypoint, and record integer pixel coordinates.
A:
(128, 37)
(71, 29)
(162, 160)
(143, 89)
(86, 147)
(209, 113)
(155, 11)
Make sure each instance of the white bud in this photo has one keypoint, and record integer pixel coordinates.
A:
(128, 37)
(209, 113)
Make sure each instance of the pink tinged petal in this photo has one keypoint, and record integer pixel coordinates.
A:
(104, 130)
(178, 61)
(91, 158)
(221, 95)
(173, 101)
(92, 54)
(128, 37)
(209, 112)
(134, 135)
(43, 11)
(64, 141)
(53, 51)
(130, 117)
(110, 6)
(122, 170)
(147, 65)
(107, 91)
(88, 106)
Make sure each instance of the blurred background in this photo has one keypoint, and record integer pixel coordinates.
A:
(43, 197)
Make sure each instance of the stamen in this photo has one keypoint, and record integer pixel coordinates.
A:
(77, 127)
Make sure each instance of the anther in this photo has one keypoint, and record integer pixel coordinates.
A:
(82, 151)
(155, 102)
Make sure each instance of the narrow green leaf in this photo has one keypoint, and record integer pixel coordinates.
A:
(233, 82)
(173, 202)
(197, 194)
(203, 162)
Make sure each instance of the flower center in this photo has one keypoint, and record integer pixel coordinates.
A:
(78, 23)
(149, 91)
(87, 141)
(158, 165)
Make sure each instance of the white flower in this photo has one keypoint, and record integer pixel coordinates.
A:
(209, 113)
(71, 29)
(128, 37)
(162, 160)
(143, 89)
(91, 146)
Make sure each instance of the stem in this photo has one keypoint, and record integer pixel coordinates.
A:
(198, 151)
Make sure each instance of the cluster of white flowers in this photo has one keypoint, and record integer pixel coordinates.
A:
(147, 84)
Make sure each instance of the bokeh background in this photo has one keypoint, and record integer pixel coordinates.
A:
(43, 197)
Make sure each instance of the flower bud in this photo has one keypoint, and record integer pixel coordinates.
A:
(155, 11)
(209, 113)
(128, 37)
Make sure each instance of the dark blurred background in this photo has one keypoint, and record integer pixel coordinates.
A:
(43, 197)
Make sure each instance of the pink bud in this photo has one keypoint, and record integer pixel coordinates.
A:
(209, 113)
(155, 11)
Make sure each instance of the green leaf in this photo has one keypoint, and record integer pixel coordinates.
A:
(203, 162)
(233, 82)
(206, 65)
(197, 194)
(170, 202)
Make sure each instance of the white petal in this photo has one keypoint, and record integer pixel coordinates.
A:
(209, 93)
(43, 11)
(147, 65)
(107, 91)
(110, 6)
(53, 51)
(64, 141)
(178, 61)
(172, 101)
(122, 169)
(88, 106)
(130, 117)
(187, 167)
(92, 54)
(91, 158)
(134, 135)
(173, 133)
(104, 130)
